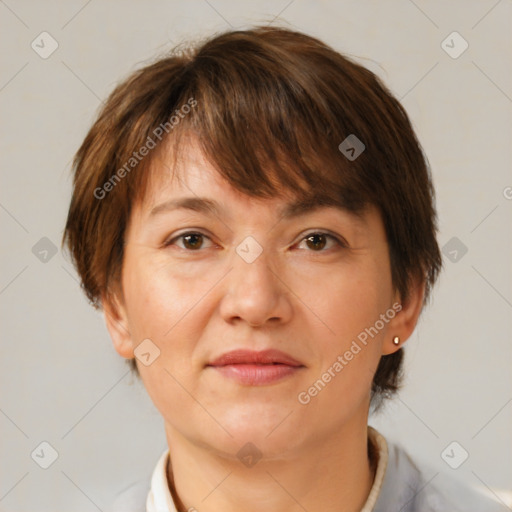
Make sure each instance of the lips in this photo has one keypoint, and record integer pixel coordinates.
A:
(251, 368)
(264, 357)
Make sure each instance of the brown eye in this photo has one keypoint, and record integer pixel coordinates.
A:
(316, 241)
(190, 241)
(193, 241)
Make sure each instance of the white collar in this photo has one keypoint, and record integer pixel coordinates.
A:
(160, 500)
(159, 497)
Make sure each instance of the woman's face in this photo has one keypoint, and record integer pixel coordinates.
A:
(227, 272)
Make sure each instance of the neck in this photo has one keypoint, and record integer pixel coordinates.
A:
(330, 474)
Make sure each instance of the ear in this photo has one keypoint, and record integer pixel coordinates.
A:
(117, 324)
(405, 320)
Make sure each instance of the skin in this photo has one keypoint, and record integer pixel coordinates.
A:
(310, 300)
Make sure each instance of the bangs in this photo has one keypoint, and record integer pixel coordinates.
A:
(266, 129)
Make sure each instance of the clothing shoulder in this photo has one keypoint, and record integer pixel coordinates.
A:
(410, 488)
(132, 498)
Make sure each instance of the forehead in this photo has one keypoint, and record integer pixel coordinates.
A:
(192, 183)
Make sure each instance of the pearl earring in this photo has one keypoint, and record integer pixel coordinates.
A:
(396, 340)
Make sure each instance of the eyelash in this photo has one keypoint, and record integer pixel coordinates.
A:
(339, 243)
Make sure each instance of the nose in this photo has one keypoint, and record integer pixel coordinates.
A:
(255, 293)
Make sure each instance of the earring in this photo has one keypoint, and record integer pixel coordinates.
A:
(396, 340)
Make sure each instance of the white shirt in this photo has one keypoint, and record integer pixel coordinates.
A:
(399, 486)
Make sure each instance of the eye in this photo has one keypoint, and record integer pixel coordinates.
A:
(192, 241)
(316, 241)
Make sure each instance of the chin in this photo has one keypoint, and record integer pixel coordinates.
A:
(269, 427)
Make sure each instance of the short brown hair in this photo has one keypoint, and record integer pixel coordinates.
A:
(269, 107)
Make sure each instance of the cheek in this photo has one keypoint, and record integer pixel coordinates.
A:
(158, 298)
(160, 308)
(172, 308)
(347, 360)
(351, 308)
(352, 300)
(147, 306)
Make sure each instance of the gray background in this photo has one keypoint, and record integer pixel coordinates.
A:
(61, 380)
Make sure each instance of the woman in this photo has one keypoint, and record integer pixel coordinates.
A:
(256, 219)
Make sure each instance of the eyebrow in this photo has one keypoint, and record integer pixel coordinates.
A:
(212, 207)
